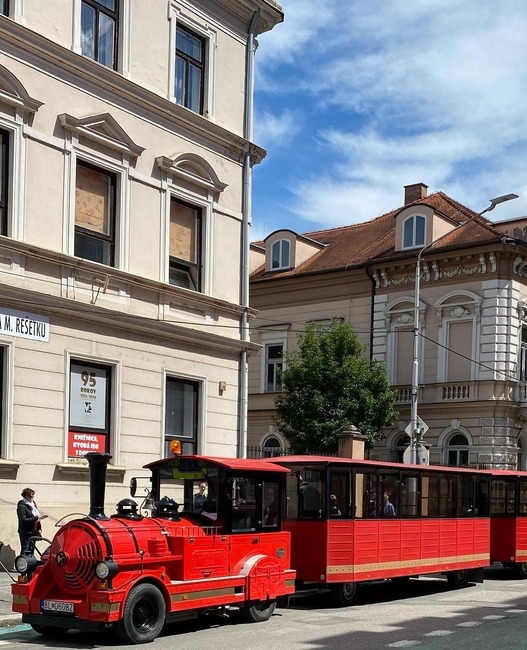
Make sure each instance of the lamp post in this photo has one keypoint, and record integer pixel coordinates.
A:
(416, 432)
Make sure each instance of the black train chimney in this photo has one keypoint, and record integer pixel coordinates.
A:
(98, 463)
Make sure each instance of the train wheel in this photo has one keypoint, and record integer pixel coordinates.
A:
(345, 594)
(49, 631)
(520, 569)
(458, 579)
(259, 612)
(143, 615)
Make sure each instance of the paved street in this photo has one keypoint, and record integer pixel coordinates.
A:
(425, 613)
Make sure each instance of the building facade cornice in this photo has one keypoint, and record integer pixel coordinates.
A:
(17, 41)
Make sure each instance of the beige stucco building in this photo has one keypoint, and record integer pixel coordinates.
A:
(126, 162)
(472, 330)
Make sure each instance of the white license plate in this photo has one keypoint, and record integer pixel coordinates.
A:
(56, 606)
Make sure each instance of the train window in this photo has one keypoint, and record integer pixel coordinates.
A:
(339, 493)
(409, 494)
(430, 495)
(366, 490)
(465, 496)
(447, 495)
(482, 496)
(242, 500)
(503, 497)
(390, 494)
(270, 504)
(306, 492)
(523, 497)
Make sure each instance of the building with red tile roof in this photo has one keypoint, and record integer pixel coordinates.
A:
(472, 329)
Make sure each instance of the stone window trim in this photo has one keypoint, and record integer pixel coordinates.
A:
(196, 436)
(413, 231)
(121, 153)
(113, 406)
(190, 180)
(208, 35)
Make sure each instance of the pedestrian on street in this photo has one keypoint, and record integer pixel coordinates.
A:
(29, 520)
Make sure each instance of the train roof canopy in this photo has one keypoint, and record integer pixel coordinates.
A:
(234, 464)
(357, 462)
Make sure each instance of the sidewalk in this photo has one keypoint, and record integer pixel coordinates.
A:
(7, 617)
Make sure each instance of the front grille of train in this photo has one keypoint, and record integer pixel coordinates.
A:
(75, 551)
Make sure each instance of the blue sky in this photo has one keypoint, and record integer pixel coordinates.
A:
(357, 98)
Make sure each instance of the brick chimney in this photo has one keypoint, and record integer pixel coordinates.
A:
(415, 192)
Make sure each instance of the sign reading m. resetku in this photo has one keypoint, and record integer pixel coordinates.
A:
(24, 325)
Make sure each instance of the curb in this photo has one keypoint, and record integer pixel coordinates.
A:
(10, 621)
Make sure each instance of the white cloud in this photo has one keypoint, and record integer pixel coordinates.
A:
(399, 92)
(276, 130)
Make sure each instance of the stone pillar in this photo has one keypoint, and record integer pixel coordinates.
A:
(352, 444)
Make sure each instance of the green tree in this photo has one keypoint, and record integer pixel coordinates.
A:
(329, 385)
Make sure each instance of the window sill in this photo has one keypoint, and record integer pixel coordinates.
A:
(9, 464)
(113, 472)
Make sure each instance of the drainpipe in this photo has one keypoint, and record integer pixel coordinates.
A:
(246, 229)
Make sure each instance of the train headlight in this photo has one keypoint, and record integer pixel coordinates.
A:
(106, 570)
(25, 564)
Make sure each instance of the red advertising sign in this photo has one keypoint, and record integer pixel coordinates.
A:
(81, 443)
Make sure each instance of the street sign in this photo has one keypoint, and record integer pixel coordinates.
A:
(422, 425)
(423, 455)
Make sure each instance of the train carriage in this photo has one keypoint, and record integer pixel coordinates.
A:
(133, 573)
(508, 522)
(370, 520)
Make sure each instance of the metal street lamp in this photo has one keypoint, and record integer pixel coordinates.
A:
(416, 431)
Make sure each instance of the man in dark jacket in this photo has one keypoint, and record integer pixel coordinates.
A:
(29, 519)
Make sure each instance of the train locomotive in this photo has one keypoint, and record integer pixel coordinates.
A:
(131, 573)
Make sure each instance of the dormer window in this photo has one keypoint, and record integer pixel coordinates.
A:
(414, 231)
(280, 254)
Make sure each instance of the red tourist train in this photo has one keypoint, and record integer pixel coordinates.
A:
(372, 520)
(134, 573)
(239, 541)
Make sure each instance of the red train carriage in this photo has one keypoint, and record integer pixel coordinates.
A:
(134, 573)
(508, 520)
(367, 521)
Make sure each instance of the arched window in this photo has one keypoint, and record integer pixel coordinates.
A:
(457, 451)
(414, 231)
(400, 447)
(271, 447)
(280, 257)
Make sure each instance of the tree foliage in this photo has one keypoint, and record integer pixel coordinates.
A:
(329, 384)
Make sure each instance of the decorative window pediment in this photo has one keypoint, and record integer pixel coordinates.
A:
(13, 93)
(104, 129)
(193, 169)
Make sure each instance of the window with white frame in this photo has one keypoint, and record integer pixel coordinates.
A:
(400, 341)
(4, 180)
(414, 231)
(523, 353)
(185, 247)
(99, 30)
(95, 213)
(189, 83)
(457, 451)
(89, 408)
(274, 366)
(280, 254)
(458, 316)
(181, 414)
(3, 436)
(4, 7)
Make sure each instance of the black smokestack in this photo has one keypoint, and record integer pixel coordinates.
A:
(98, 463)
